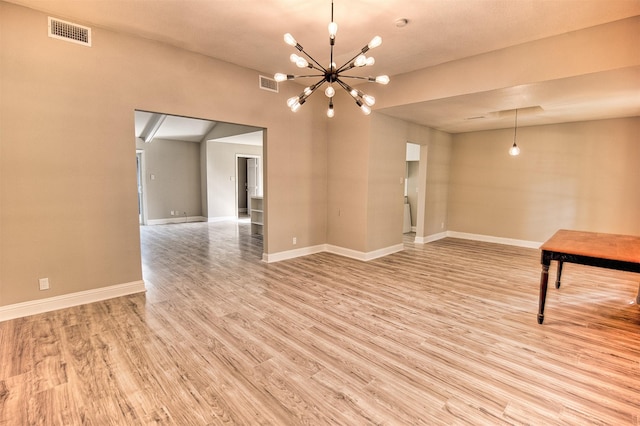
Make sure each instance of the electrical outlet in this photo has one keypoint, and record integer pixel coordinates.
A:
(44, 283)
(295, 241)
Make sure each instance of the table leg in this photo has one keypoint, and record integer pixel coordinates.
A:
(560, 263)
(544, 279)
(638, 296)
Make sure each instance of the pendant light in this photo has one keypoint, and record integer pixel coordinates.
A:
(515, 150)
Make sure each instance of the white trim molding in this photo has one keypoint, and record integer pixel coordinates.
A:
(33, 307)
(430, 238)
(291, 254)
(177, 219)
(478, 237)
(365, 256)
(341, 251)
(492, 239)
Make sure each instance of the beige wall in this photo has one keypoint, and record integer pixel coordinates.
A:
(437, 157)
(582, 176)
(347, 171)
(68, 196)
(596, 49)
(367, 160)
(387, 168)
(221, 165)
(175, 166)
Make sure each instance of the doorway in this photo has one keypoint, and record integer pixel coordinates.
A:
(411, 188)
(249, 182)
(186, 169)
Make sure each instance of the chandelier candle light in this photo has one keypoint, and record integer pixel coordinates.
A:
(332, 75)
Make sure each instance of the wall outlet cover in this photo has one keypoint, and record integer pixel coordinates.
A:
(44, 283)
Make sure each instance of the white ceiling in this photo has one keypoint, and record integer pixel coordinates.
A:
(170, 127)
(249, 33)
(153, 125)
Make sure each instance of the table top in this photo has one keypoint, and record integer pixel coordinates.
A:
(625, 248)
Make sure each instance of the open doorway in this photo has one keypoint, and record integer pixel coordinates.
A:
(411, 188)
(187, 167)
(249, 182)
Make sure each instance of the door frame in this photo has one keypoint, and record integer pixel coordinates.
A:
(142, 185)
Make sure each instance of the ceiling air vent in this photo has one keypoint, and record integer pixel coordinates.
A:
(269, 84)
(67, 31)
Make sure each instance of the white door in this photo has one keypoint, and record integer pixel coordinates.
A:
(252, 177)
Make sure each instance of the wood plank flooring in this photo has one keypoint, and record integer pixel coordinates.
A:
(439, 334)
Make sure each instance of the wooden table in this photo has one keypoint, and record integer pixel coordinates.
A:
(611, 251)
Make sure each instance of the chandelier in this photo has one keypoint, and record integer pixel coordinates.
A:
(332, 75)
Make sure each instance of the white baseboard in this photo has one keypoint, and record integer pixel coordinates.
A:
(33, 307)
(353, 254)
(478, 237)
(364, 256)
(177, 219)
(291, 254)
(430, 238)
(492, 239)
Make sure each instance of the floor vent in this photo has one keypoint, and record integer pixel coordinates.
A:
(269, 84)
(67, 31)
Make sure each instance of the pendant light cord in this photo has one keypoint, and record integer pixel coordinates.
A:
(515, 128)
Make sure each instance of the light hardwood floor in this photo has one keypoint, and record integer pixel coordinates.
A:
(442, 333)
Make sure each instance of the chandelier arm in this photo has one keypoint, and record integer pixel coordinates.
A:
(350, 61)
(312, 88)
(323, 69)
(305, 76)
(356, 77)
(314, 67)
(347, 67)
(345, 86)
(317, 85)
